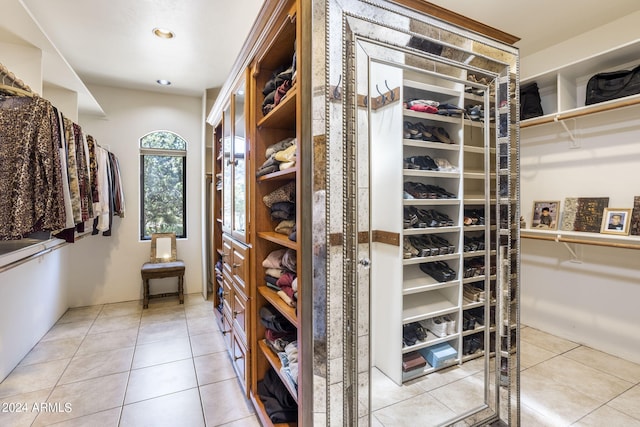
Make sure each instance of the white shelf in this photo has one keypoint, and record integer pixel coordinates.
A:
(415, 281)
(433, 258)
(430, 174)
(429, 230)
(436, 90)
(430, 202)
(423, 305)
(428, 342)
(472, 254)
(596, 239)
(432, 117)
(429, 144)
(407, 376)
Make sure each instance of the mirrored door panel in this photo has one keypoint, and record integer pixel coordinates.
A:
(240, 147)
(428, 230)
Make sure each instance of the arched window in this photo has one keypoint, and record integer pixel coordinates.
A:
(163, 184)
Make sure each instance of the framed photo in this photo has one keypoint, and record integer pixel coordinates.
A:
(545, 215)
(616, 221)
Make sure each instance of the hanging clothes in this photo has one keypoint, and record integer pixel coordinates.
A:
(30, 168)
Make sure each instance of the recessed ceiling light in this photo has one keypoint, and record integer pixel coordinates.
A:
(163, 82)
(163, 33)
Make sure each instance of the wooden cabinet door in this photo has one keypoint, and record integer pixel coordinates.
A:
(240, 267)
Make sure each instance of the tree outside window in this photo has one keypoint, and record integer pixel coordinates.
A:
(163, 161)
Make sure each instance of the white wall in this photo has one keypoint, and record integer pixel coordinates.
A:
(598, 40)
(107, 269)
(594, 301)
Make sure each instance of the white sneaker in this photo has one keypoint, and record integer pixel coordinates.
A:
(451, 325)
(436, 325)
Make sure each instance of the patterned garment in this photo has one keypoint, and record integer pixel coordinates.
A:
(72, 167)
(83, 173)
(93, 169)
(30, 172)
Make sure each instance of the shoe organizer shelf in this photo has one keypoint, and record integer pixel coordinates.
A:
(460, 185)
(563, 89)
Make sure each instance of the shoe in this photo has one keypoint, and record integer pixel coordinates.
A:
(407, 196)
(439, 270)
(420, 162)
(450, 110)
(419, 190)
(410, 218)
(441, 134)
(451, 324)
(475, 112)
(409, 336)
(436, 325)
(444, 165)
(410, 250)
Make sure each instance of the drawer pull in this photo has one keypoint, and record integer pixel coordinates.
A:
(238, 357)
(235, 313)
(226, 332)
(235, 265)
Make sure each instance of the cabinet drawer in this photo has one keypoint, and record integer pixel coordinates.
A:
(240, 316)
(227, 333)
(240, 266)
(227, 296)
(240, 362)
(227, 254)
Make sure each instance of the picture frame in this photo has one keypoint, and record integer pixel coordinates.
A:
(545, 214)
(616, 221)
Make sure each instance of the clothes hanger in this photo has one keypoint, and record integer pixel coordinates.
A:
(15, 91)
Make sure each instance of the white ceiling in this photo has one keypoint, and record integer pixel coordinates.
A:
(111, 42)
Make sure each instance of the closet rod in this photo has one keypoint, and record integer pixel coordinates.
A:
(583, 111)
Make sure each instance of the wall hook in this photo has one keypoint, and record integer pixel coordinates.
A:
(384, 98)
(393, 95)
(336, 90)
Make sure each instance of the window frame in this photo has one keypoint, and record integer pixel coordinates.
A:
(166, 152)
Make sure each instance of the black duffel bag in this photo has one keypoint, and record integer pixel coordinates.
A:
(617, 84)
(530, 102)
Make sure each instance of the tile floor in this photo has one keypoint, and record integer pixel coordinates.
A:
(119, 365)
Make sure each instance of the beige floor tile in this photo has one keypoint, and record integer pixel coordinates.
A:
(164, 314)
(164, 302)
(18, 411)
(68, 330)
(385, 392)
(105, 341)
(251, 421)
(546, 341)
(25, 379)
(159, 352)
(531, 354)
(214, 367)
(80, 314)
(531, 418)
(177, 409)
(445, 376)
(158, 380)
(236, 406)
(606, 363)
(628, 402)
(423, 410)
(46, 351)
(463, 395)
(196, 299)
(207, 343)
(162, 331)
(114, 323)
(108, 418)
(596, 384)
(97, 365)
(202, 325)
(607, 416)
(199, 310)
(121, 309)
(85, 398)
(561, 403)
